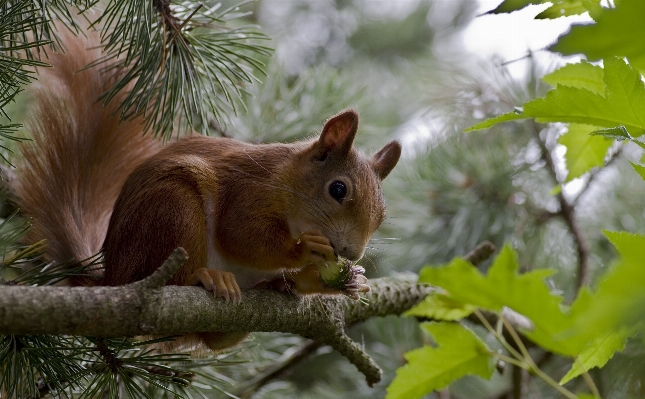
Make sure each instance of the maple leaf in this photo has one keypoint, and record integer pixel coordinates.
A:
(459, 352)
(440, 307)
(584, 151)
(618, 32)
(526, 294)
(621, 104)
(558, 8)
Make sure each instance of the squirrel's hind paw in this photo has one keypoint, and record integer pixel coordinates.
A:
(223, 284)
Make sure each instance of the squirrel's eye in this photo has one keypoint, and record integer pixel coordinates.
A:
(338, 190)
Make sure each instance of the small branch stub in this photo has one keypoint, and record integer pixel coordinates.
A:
(480, 253)
(164, 273)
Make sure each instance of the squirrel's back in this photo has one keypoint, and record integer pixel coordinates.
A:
(81, 153)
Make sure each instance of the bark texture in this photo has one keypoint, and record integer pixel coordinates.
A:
(149, 307)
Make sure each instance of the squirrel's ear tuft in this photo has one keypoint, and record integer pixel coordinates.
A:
(338, 133)
(385, 160)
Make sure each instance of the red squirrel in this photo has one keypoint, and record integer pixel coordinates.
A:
(247, 214)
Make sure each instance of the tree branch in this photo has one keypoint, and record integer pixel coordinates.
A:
(567, 212)
(142, 308)
(594, 174)
(276, 371)
(480, 253)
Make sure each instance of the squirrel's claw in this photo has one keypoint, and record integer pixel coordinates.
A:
(223, 284)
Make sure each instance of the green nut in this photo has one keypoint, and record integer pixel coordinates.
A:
(337, 274)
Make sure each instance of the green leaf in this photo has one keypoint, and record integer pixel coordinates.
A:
(584, 151)
(563, 8)
(618, 32)
(511, 116)
(629, 245)
(526, 294)
(513, 5)
(459, 352)
(619, 133)
(559, 8)
(620, 299)
(594, 8)
(597, 354)
(441, 307)
(639, 169)
(623, 102)
(582, 75)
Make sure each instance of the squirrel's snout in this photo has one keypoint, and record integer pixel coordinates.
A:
(353, 254)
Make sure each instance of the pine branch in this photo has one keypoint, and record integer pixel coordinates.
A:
(184, 66)
(141, 309)
(24, 29)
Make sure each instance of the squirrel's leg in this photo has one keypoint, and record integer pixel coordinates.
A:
(222, 284)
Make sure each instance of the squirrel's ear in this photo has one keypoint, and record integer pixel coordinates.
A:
(385, 160)
(338, 133)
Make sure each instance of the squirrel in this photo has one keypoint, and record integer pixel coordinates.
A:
(248, 215)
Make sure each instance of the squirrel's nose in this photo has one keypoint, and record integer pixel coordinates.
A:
(352, 254)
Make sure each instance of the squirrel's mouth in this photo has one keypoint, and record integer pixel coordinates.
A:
(348, 252)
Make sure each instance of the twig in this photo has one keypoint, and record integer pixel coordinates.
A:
(31, 250)
(532, 367)
(164, 273)
(519, 375)
(591, 384)
(517, 380)
(109, 357)
(521, 356)
(594, 174)
(276, 371)
(481, 252)
(499, 336)
(567, 212)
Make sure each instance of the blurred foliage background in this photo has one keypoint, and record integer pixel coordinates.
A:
(401, 65)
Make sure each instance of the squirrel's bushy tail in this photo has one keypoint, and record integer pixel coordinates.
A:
(72, 172)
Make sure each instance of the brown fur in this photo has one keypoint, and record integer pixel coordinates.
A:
(267, 207)
(71, 174)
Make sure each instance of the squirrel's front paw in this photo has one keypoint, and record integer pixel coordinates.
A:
(223, 284)
(315, 248)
